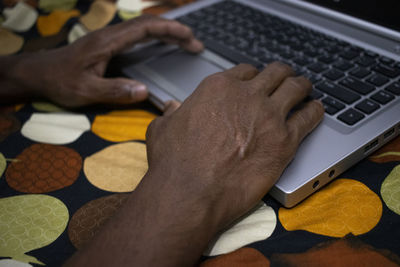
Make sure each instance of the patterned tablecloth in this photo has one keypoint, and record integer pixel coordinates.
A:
(63, 173)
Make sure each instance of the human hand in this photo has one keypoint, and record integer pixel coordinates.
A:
(73, 75)
(171, 106)
(210, 160)
(230, 141)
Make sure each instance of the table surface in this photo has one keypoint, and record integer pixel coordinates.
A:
(63, 173)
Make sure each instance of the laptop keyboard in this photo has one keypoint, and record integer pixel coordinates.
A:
(351, 82)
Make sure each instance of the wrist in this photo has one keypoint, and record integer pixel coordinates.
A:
(177, 222)
(157, 226)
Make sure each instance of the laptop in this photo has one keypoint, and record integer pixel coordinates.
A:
(350, 50)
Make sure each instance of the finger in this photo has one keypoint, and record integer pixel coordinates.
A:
(271, 77)
(118, 90)
(291, 92)
(170, 107)
(242, 72)
(192, 45)
(130, 32)
(304, 120)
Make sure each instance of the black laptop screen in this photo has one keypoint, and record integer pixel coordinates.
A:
(382, 12)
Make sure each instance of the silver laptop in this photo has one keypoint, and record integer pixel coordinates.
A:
(350, 50)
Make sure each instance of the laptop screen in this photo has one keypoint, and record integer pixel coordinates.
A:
(382, 12)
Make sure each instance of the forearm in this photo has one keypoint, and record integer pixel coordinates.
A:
(154, 228)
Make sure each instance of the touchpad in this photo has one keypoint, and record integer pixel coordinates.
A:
(179, 73)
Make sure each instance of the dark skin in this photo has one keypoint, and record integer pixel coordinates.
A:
(211, 159)
(72, 76)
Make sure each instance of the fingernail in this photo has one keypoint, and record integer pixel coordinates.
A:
(139, 91)
(319, 102)
(199, 45)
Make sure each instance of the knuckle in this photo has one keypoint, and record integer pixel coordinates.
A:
(282, 67)
(284, 137)
(251, 69)
(302, 119)
(247, 66)
(298, 83)
(317, 111)
(218, 79)
(145, 18)
(271, 114)
(307, 83)
(114, 92)
(301, 126)
(175, 23)
(319, 108)
(293, 82)
(97, 38)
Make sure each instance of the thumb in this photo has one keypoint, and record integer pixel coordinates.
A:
(170, 107)
(120, 90)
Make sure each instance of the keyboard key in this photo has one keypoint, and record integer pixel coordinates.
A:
(386, 60)
(333, 103)
(240, 44)
(332, 49)
(367, 106)
(333, 74)
(302, 61)
(311, 52)
(316, 42)
(343, 65)
(394, 88)
(330, 110)
(387, 71)
(351, 116)
(275, 48)
(316, 94)
(371, 54)
(312, 77)
(365, 61)
(357, 85)
(318, 67)
(360, 72)
(349, 55)
(327, 59)
(377, 80)
(298, 70)
(344, 45)
(356, 49)
(266, 59)
(338, 92)
(287, 54)
(254, 51)
(188, 21)
(296, 46)
(382, 97)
